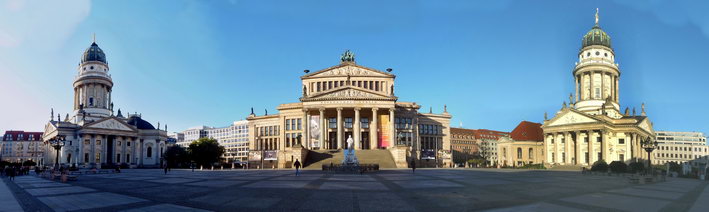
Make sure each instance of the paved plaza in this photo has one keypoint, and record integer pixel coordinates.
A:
(386, 190)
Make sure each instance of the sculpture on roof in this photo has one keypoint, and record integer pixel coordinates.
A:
(52, 115)
(348, 56)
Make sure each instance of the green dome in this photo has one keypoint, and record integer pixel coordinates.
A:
(596, 36)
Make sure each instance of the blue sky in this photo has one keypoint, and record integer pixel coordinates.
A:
(494, 63)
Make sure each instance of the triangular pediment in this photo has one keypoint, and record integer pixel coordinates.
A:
(646, 125)
(570, 117)
(111, 123)
(350, 93)
(348, 69)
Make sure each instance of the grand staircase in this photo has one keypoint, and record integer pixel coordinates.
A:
(316, 158)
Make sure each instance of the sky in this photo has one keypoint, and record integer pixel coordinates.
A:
(494, 63)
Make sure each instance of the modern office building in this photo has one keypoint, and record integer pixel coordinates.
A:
(94, 135)
(592, 127)
(20, 146)
(681, 147)
(234, 138)
(350, 102)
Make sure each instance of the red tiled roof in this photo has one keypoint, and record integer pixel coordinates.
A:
(527, 131)
(14, 136)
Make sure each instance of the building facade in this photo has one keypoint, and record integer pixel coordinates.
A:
(95, 137)
(350, 101)
(681, 148)
(525, 145)
(234, 138)
(20, 146)
(488, 140)
(592, 127)
(463, 145)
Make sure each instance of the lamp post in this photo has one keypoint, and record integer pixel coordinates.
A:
(649, 145)
(57, 142)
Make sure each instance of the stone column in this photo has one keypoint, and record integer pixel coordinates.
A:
(578, 141)
(603, 84)
(306, 136)
(556, 156)
(392, 132)
(590, 85)
(617, 94)
(373, 130)
(591, 153)
(604, 146)
(567, 148)
(92, 157)
(356, 127)
(339, 128)
(576, 88)
(142, 149)
(323, 128)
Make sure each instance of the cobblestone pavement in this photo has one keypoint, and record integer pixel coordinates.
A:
(386, 190)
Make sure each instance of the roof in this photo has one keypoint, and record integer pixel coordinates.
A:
(528, 131)
(140, 123)
(14, 136)
(480, 133)
(596, 36)
(93, 53)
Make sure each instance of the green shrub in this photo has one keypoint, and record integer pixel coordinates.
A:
(600, 166)
(618, 167)
(635, 167)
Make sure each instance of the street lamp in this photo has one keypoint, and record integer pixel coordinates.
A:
(649, 146)
(57, 142)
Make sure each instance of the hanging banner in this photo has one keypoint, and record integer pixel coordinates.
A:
(384, 132)
(270, 155)
(315, 131)
(428, 154)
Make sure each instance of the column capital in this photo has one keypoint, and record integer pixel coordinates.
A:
(339, 109)
(322, 109)
(357, 109)
(392, 109)
(305, 109)
(375, 109)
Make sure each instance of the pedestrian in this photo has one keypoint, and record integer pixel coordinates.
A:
(297, 167)
(413, 166)
(165, 169)
(12, 174)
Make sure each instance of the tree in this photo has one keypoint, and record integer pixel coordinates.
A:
(618, 167)
(600, 166)
(176, 156)
(206, 151)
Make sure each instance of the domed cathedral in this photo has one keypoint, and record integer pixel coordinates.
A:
(94, 136)
(343, 102)
(591, 127)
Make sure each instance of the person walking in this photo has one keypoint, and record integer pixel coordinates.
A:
(166, 169)
(12, 173)
(297, 167)
(413, 166)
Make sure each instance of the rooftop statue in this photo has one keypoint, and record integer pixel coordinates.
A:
(348, 56)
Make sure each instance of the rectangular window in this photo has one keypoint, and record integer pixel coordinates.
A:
(300, 124)
(332, 123)
(598, 139)
(597, 93)
(127, 158)
(287, 124)
(587, 159)
(621, 141)
(600, 156)
(621, 157)
(585, 140)
(118, 158)
(348, 123)
(86, 157)
(365, 123)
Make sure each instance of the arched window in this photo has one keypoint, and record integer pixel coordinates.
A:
(519, 153)
(531, 153)
(150, 151)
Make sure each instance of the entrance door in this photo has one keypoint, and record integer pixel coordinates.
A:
(332, 140)
(364, 140)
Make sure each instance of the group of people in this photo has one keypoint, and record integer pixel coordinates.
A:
(12, 171)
